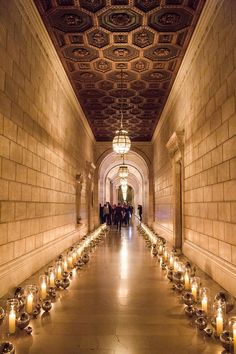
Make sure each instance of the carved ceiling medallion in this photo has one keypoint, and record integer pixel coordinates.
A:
(71, 20)
(170, 20)
(98, 38)
(120, 20)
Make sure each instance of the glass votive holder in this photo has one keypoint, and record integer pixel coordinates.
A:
(12, 310)
(51, 276)
(166, 254)
(31, 298)
(65, 264)
(79, 250)
(232, 333)
(161, 259)
(160, 249)
(181, 267)
(74, 256)
(176, 263)
(43, 281)
(204, 295)
(187, 279)
(219, 317)
(195, 287)
(58, 270)
(171, 260)
(70, 259)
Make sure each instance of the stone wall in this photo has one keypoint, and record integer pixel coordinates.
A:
(44, 143)
(203, 103)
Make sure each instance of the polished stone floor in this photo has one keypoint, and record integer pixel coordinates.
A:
(120, 303)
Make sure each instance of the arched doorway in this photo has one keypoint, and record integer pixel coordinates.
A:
(138, 180)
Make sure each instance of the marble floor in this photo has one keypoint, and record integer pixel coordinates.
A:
(119, 303)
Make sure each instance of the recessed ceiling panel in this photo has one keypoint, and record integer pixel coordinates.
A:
(95, 39)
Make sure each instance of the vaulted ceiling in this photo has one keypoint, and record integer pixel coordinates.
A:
(95, 39)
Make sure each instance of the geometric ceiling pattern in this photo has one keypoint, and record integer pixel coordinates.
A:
(96, 39)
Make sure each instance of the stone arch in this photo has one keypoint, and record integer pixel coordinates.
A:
(107, 172)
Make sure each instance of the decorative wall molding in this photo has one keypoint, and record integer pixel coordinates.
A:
(30, 14)
(221, 271)
(164, 232)
(175, 144)
(207, 17)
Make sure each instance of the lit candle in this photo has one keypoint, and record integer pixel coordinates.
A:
(234, 337)
(43, 290)
(219, 322)
(29, 303)
(171, 261)
(194, 291)
(59, 272)
(176, 266)
(65, 266)
(52, 280)
(186, 281)
(165, 255)
(12, 321)
(204, 303)
(74, 255)
(160, 249)
(70, 262)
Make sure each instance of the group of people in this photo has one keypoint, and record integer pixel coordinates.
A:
(116, 214)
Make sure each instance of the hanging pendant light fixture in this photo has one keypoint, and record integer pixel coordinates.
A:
(123, 181)
(123, 170)
(121, 143)
(124, 188)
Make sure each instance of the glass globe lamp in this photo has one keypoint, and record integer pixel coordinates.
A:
(123, 182)
(123, 171)
(121, 143)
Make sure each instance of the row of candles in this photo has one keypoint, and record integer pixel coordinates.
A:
(187, 283)
(56, 276)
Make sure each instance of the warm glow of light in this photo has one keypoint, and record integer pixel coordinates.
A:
(121, 143)
(124, 260)
(124, 188)
(123, 171)
(123, 182)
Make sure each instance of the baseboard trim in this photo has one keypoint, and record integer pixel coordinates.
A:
(223, 272)
(16, 271)
(164, 232)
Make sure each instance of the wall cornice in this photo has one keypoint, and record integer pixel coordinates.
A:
(31, 15)
(209, 12)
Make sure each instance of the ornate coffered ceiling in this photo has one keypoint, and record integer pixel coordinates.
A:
(95, 39)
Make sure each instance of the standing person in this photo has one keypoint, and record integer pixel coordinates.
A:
(101, 213)
(126, 215)
(130, 211)
(106, 213)
(110, 213)
(113, 221)
(140, 212)
(118, 216)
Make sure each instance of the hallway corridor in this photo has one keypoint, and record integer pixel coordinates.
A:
(119, 303)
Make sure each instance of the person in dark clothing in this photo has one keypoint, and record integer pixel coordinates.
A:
(118, 216)
(110, 214)
(126, 215)
(140, 212)
(130, 211)
(106, 213)
(113, 221)
(101, 213)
